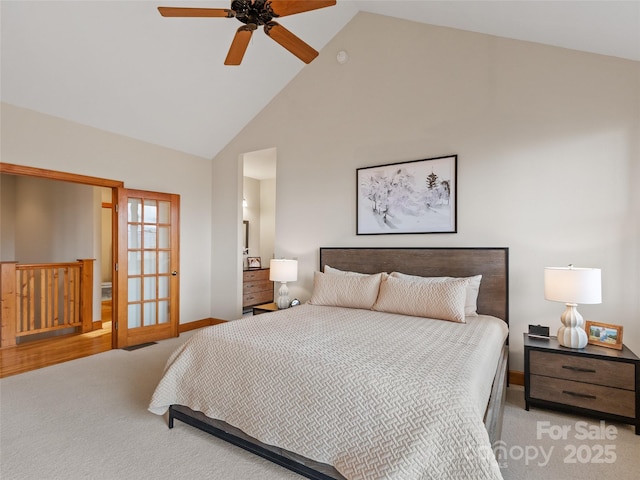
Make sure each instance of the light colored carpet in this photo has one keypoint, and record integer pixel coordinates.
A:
(88, 418)
(576, 447)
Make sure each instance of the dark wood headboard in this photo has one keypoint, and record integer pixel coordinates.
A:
(491, 263)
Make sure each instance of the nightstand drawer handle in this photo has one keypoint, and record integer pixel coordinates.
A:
(578, 369)
(581, 395)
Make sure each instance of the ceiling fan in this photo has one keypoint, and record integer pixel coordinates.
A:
(256, 13)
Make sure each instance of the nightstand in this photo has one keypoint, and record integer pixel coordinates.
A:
(265, 308)
(594, 381)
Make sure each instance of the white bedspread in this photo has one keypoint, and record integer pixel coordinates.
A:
(376, 395)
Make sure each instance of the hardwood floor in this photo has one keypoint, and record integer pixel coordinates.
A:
(42, 353)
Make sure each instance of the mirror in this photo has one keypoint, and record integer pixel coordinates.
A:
(245, 236)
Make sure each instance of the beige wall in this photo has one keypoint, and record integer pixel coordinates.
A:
(267, 218)
(7, 218)
(37, 140)
(548, 146)
(52, 221)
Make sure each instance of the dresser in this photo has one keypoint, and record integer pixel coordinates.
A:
(256, 287)
(594, 381)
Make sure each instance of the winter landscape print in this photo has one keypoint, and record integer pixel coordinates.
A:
(409, 197)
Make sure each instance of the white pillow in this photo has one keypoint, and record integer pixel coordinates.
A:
(471, 300)
(335, 271)
(351, 291)
(440, 300)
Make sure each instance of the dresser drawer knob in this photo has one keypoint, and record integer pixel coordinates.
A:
(579, 369)
(581, 395)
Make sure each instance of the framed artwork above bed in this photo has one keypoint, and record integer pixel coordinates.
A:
(418, 196)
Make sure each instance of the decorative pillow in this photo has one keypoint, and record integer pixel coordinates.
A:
(470, 304)
(351, 291)
(440, 300)
(335, 271)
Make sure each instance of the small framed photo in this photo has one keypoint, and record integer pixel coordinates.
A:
(254, 262)
(604, 334)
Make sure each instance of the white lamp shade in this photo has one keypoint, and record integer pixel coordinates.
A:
(283, 270)
(572, 285)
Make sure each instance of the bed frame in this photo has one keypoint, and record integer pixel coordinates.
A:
(493, 299)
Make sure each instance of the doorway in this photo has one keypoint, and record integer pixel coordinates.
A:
(110, 189)
(63, 192)
(50, 217)
(259, 207)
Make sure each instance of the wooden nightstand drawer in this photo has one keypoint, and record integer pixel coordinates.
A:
(595, 381)
(582, 369)
(594, 397)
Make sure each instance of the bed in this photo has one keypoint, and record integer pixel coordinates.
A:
(359, 391)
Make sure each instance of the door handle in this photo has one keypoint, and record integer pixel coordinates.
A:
(174, 273)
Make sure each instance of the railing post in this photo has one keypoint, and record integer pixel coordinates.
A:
(8, 310)
(86, 293)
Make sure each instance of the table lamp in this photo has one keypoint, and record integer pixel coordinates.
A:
(571, 285)
(283, 271)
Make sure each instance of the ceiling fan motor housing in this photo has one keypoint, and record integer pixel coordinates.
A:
(257, 12)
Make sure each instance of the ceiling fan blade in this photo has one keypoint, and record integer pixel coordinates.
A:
(195, 12)
(290, 7)
(289, 41)
(239, 44)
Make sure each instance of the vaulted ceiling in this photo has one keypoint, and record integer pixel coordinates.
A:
(119, 66)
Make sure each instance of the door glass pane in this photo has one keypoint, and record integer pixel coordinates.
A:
(149, 313)
(150, 211)
(134, 318)
(163, 262)
(163, 311)
(135, 236)
(135, 263)
(163, 286)
(149, 288)
(150, 236)
(165, 212)
(164, 239)
(134, 289)
(134, 210)
(149, 262)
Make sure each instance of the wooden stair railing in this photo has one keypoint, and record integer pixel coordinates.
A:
(45, 297)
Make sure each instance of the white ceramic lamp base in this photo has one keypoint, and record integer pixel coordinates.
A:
(283, 297)
(572, 334)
